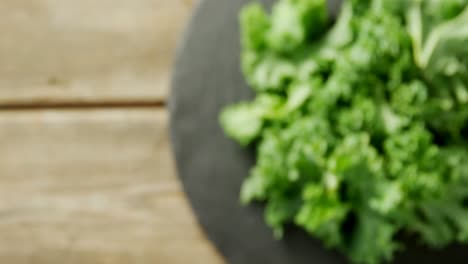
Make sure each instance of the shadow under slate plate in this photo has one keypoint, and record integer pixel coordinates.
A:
(207, 77)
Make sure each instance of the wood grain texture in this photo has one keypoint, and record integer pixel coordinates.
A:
(88, 51)
(93, 186)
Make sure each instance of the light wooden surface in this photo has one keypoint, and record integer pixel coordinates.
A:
(88, 50)
(85, 183)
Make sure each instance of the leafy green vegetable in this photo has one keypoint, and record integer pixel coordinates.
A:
(361, 128)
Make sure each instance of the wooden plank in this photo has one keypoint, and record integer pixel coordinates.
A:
(88, 51)
(93, 186)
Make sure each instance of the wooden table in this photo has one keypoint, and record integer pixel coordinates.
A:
(86, 170)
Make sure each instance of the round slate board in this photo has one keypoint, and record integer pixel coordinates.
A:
(206, 78)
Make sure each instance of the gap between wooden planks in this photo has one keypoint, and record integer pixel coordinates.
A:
(93, 186)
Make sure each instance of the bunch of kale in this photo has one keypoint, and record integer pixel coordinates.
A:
(361, 128)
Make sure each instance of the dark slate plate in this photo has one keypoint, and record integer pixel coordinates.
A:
(212, 167)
